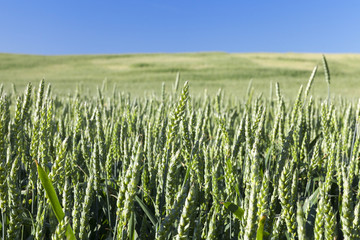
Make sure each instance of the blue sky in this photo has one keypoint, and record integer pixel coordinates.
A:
(97, 27)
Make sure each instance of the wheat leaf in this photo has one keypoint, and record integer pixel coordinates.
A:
(54, 201)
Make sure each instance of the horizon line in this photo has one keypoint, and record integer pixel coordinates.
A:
(180, 52)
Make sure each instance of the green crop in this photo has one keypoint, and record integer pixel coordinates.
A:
(175, 166)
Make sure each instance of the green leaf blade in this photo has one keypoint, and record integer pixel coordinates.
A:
(54, 200)
(234, 209)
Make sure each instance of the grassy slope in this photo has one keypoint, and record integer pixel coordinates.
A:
(145, 72)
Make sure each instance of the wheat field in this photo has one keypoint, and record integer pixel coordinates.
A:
(177, 166)
(143, 74)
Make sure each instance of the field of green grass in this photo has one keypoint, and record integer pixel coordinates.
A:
(140, 73)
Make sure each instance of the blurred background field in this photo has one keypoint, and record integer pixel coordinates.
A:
(143, 74)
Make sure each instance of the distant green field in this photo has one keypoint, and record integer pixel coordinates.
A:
(144, 73)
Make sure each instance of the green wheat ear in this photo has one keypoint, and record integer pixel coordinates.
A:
(54, 201)
(326, 69)
(327, 75)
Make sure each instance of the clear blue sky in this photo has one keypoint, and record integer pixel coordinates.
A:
(95, 27)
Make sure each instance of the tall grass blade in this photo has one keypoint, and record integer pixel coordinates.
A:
(146, 210)
(54, 201)
(310, 82)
